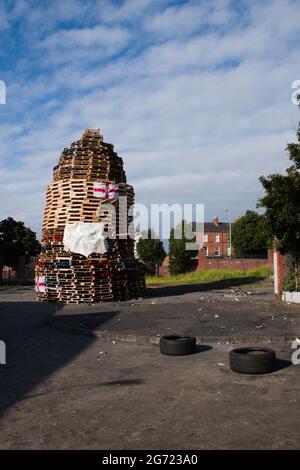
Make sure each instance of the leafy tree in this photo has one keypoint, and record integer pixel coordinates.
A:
(181, 259)
(151, 250)
(250, 235)
(282, 201)
(17, 240)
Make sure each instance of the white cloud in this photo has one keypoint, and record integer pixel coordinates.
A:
(38, 17)
(4, 22)
(129, 11)
(85, 44)
(196, 117)
(86, 37)
(185, 19)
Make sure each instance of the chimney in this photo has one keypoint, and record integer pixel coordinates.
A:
(215, 220)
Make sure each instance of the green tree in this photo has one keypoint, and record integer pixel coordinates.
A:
(181, 259)
(151, 251)
(282, 201)
(17, 240)
(250, 235)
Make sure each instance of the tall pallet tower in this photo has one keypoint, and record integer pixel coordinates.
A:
(89, 176)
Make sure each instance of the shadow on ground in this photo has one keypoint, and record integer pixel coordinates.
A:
(85, 321)
(88, 387)
(33, 351)
(181, 289)
(201, 348)
(282, 364)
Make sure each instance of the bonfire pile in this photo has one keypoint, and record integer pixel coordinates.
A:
(89, 176)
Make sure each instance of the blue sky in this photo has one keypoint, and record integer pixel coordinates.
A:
(195, 95)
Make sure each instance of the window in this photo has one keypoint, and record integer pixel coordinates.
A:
(228, 251)
(217, 251)
(217, 238)
(205, 238)
(228, 238)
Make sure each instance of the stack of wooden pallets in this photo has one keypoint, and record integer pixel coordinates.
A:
(64, 276)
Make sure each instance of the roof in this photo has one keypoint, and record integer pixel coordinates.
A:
(211, 227)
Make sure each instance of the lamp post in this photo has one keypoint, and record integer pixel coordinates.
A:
(229, 221)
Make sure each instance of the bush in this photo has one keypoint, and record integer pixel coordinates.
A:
(181, 259)
(291, 279)
(151, 251)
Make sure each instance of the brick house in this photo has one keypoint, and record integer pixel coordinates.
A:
(216, 246)
(216, 240)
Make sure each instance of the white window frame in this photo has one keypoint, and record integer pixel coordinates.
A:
(219, 251)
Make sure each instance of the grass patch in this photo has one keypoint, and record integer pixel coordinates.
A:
(208, 276)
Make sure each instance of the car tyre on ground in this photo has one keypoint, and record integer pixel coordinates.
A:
(176, 345)
(248, 360)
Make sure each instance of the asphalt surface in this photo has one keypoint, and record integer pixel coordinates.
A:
(65, 391)
(234, 314)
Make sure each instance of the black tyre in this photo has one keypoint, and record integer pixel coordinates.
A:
(175, 345)
(252, 360)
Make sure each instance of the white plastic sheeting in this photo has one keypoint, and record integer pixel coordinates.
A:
(85, 238)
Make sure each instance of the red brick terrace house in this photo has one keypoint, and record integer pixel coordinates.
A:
(216, 244)
(216, 241)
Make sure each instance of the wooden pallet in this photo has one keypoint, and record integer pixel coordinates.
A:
(70, 277)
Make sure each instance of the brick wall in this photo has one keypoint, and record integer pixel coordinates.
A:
(205, 263)
(226, 263)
